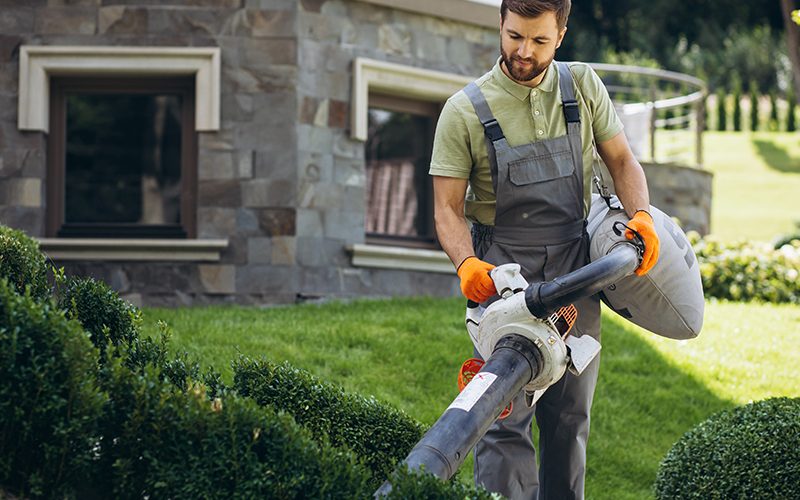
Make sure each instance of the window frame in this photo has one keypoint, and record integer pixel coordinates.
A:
(60, 87)
(419, 107)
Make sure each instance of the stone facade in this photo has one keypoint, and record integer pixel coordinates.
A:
(281, 179)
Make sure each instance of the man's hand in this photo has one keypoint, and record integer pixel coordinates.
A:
(642, 223)
(476, 284)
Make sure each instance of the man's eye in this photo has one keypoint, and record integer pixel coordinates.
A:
(515, 37)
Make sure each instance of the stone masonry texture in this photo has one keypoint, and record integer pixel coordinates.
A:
(281, 179)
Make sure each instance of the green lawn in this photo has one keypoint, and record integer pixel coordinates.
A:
(407, 352)
(756, 183)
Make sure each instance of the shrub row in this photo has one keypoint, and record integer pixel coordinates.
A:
(380, 434)
(22, 263)
(749, 270)
(89, 409)
(752, 451)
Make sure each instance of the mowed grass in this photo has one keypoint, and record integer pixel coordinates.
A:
(407, 352)
(756, 183)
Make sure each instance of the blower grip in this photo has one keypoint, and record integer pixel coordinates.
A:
(544, 298)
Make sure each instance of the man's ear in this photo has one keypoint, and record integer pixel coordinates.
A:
(561, 36)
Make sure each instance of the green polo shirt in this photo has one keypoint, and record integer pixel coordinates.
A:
(525, 115)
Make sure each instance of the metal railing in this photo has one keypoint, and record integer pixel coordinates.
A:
(663, 112)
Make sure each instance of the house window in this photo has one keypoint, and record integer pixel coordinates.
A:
(122, 157)
(399, 190)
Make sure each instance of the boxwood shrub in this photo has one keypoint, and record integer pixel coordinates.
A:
(752, 451)
(108, 318)
(747, 271)
(379, 433)
(50, 403)
(159, 442)
(22, 264)
(413, 484)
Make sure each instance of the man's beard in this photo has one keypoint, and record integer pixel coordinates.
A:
(522, 74)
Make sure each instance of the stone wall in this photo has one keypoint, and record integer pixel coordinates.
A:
(683, 193)
(282, 179)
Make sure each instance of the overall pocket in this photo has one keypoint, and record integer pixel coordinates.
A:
(543, 168)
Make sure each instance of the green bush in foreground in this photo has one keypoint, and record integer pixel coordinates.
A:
(408, 484)
(748, 270)
(50, 403)
(22, 263)
(752, 451)
(163, 443)
(381, 434)
(108, 318)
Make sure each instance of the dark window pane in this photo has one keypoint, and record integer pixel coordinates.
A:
(398, 151)
(123, 159)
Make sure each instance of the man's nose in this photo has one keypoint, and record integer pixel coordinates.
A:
(525, 50)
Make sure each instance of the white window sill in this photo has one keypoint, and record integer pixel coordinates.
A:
(409, 259)
(114, 249)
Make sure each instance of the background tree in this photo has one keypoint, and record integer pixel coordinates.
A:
(737, 107)
(774, 124)
(722, 118)
(791, 23)
(791, 101)
(753, 106)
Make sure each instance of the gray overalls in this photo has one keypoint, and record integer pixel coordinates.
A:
(539, 224)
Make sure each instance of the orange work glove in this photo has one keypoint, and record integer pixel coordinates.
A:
(642, 223)
(476, 284)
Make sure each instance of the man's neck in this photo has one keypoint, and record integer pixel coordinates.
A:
(530, 83)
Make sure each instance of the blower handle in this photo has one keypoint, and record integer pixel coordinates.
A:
(546, 297)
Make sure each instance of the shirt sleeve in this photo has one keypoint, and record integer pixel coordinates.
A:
(451, 155)
(605, 121)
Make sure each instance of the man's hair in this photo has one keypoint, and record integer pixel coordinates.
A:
(535, 8)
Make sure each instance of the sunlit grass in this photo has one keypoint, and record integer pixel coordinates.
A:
(756, 183)
(407, 352)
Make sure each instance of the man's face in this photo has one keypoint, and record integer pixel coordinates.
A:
(528, 44)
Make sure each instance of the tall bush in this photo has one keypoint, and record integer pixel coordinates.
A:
(753, 107)
(22, 264)
(50, 404)
(774, 124)
(379, 433)
(752, 451)
(791, 107)
(722, 114)
(737, 109)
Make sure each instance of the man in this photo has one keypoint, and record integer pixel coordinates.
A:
(524, 161)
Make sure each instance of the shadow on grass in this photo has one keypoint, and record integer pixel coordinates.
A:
(642, 405)
(776, 157)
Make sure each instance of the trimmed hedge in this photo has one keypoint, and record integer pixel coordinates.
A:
(88, 409)
(748, 270)
(108, 318)
(752, 451)
(381, 434)
(410, 484)
(163, 443)
(22, 263)
(50, 403)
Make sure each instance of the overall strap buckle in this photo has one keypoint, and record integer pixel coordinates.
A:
(493, 131)
(571, 112)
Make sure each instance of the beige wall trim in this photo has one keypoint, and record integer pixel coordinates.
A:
(38, 63)
(408, 259)
(91, 249)
(398, 80)
(457, 10)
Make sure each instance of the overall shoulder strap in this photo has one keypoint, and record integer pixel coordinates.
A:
(572, 115)
(491, 128)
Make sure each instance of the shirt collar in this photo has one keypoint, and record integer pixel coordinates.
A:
(521, 92)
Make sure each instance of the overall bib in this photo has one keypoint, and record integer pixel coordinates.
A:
(539, 224)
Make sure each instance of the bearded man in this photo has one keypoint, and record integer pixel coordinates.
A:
(513, 155)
